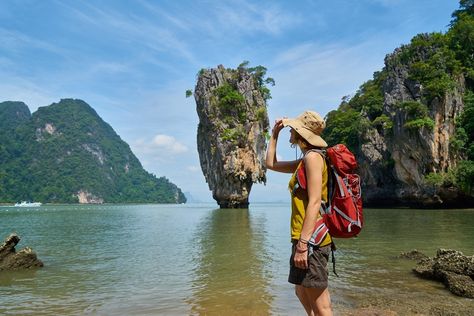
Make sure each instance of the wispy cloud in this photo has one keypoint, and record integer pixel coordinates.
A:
(136, 30)
(253, 17)
(161, 13)
(16, 41)
(315, 76)
(20, 89)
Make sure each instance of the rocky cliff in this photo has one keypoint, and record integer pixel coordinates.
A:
(233, 124)
(412, 125)
(394, 162)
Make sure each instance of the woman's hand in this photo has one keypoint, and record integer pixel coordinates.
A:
(301, 256)
(277, 127)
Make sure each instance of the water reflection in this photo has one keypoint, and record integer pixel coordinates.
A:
(230, 275)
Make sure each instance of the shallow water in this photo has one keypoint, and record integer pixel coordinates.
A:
(196, 259)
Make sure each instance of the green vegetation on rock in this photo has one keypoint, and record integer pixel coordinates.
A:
(230, 109)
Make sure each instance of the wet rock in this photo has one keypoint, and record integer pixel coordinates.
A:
(424, 268)
(413, 255)
(452, 268)
(461, 285)
(12, 260)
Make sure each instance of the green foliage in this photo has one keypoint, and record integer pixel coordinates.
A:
(458, 142)
(417, 115)
(461, 35)
(416, 124)
(432, 63)
(234, 135)
(463, 138)
(231, 104)
(438, 179)
(78, 151)
(189, 93)
(261, 113)
(434, 179)
(259, 73)
(383, 121)
(414, 109)
(369, 97)
(465, 176)
(467, 117)
(344, 127)
(229, 97)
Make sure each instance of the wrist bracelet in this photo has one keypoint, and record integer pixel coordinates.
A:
(303, 241)
(298, 250)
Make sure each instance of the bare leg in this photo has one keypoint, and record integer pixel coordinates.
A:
(319, 300)
(304, 299)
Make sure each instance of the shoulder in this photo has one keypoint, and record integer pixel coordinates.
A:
(313, 157)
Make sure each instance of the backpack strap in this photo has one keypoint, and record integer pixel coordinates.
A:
(322, 152)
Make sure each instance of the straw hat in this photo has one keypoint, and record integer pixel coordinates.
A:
(309, 125)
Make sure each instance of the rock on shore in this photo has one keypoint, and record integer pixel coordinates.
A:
(12, 260)
(452, 268)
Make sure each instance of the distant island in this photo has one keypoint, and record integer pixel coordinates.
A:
(65, 153)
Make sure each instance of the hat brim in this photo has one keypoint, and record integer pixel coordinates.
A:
(307, 134)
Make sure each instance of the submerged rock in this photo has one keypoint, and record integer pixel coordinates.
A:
(233, 124)
(12, 260)
(413, 255)
(452, 268)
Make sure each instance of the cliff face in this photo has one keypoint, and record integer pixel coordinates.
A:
(232, 126)
(394, 162)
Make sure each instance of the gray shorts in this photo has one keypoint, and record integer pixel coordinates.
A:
(316, 276)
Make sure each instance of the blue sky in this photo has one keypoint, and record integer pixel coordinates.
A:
(132, 61)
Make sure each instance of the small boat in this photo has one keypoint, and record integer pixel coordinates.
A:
(28, 204)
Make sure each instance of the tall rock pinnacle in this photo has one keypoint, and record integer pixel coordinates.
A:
(233, 124)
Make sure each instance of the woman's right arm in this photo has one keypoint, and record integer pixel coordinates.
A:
(271, 160)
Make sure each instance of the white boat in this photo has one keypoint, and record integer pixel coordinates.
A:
(28, 204)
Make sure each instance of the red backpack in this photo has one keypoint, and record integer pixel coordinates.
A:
(343, 215)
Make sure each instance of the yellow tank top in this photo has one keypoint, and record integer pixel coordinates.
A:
(299, 202)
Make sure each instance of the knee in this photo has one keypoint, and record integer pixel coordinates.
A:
(299, 291)
(324, 307)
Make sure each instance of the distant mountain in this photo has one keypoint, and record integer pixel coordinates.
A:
(65, 153)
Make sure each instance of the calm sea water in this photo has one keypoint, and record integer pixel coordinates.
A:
(199, 260)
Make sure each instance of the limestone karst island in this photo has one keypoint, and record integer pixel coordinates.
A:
(65, 153)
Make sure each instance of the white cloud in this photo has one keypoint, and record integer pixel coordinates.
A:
(168, 143)
(159, 147)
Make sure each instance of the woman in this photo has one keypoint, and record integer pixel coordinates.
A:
(308, 265)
